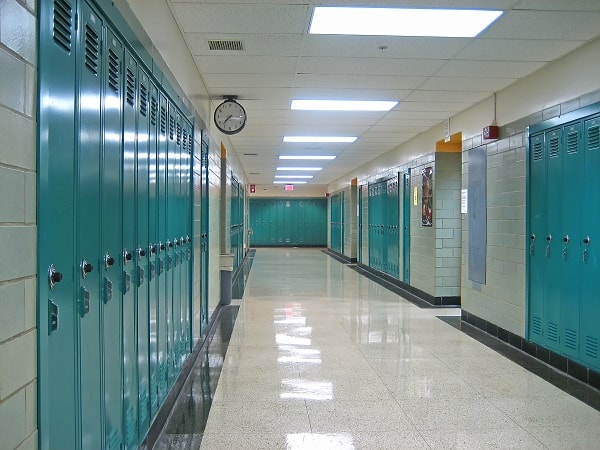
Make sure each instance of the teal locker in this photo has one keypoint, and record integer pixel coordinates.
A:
(88, 260)
(537, 227)
(406, 198)
(164, 258)
(360, 223)
(186, 232)
(58, 312)
(111, 266)
(554, 265)
(590, 239)
(570, 240)
(153, 251)
(141, 253)
(130, 379)
(204, 228)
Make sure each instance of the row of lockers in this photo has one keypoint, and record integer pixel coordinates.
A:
(236, 227)
(563, 256)
(289, 222)
(115, 234)
(336, 223)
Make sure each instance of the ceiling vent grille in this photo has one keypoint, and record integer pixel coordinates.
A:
(225, 45)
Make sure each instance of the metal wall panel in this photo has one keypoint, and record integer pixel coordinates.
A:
(406, 198)
(477, 217)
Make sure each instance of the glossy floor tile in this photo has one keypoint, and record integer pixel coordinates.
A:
(321, 357)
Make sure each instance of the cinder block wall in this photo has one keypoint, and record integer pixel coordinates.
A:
(18, 243)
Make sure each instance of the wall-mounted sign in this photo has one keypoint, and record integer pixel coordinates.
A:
(416, 196)
(427, 198)
(464, 201)
(289, 187)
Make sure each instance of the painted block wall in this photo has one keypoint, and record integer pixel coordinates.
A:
(447, 224)
(214, 226)
(18, 335)
(365, 225)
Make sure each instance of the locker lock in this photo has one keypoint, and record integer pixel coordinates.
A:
(108, 261)
(188, 239)
(566, 239)
(86, 268)
(161, 246)
(152, 249)
(53, 277)
(169, 244)
(549, 238)
(127, 256)
(532, 237)
(182, 240)
(141, 252)
(176, 242)
(586, 240)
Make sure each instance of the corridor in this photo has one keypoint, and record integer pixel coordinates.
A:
(323, 358)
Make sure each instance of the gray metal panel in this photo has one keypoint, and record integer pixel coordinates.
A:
(477, 215)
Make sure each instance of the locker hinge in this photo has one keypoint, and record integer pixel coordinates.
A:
(76, 22)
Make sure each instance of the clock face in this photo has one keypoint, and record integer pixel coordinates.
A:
(230, 117)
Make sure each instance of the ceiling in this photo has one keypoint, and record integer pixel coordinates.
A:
(432, 78)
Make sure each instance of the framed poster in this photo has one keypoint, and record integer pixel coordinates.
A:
(427, 198)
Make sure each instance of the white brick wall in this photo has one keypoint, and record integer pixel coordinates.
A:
(18, 244)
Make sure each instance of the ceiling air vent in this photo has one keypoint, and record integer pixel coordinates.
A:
(225, 45)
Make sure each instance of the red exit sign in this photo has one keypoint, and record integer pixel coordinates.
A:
(289, 187)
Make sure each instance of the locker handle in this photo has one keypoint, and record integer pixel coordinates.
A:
(566, 239)
(141, 252)
(586, 240)
(152, 249)
(53, 277)
(162, 246)
(127, 256)
(108, 261)
(169, 244)
(86, 268)
(532, 237)
(549, 238)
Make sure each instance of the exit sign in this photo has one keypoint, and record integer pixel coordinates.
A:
(289, 187)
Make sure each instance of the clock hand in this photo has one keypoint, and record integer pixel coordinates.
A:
(229, 117)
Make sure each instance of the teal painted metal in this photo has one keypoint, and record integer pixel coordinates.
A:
(290, 222)
(590, 245)
(562, 260)
(89, 303)
(141, 250)
(406, 198)
(56, 217)
(130, 378)
(360, 223)
(337, 222)
(204, 214)
(112, 265)
(153, 250)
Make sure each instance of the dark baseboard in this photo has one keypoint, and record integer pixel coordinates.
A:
(339, 256)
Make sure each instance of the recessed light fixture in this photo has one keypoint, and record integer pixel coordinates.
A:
(401, 21)
(319, 138)
(289, 182)
(301, 168)
(343, 105)
(315, 157)
(287, 177)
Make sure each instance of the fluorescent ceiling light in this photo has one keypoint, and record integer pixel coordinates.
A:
(401, 21)
(300, 168)
(289, 182)
(287, 177)
(343, 105)
(325, 157)
(319, 138)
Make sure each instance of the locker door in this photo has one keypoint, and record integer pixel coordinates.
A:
(56, 218)
(537, 232)
(393, 244)
(570, 240)
(141, 252)
(554, 265)
(164, 271)
(204, 237)
(176, 236)
(360, 223)
(130, 381)
(187, 201)
(154, 250)
(406, 228)
(88, 260)
(590, 241)
(111, 267)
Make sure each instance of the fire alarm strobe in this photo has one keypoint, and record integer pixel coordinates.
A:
(491, 132)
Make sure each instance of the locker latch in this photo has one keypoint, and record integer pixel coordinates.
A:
(126, 256)
(108, 290)
(532, 244)
(109, 261)
(586, 241)
(53, 277)
(566, 242)
(140, 276)
(161, 266)
(151, 271)
(84, 301)
(52, 316)
(549, 240)
(126, 282)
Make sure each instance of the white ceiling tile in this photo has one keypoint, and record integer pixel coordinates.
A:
(366, 66)
(466, 84)
(517, 49)
(241, 18)
(447, 96)
(246, 64)
(358, 81)
(508, 69)
(559, 5)
(253, 44)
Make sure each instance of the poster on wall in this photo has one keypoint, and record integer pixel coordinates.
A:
(427, 198)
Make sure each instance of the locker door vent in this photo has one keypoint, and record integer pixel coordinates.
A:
(570, 339)
(190, 143)
(591, 347)
(552, 332)
(113, 70)
(130, 87)
(171, 128)
(572, 138)
(153, 110)
(553, 147)
(184, 141)
(594, 137)
(163, 120)
(178, 133)
(92, 49)
(63, 24)
(143, 100)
